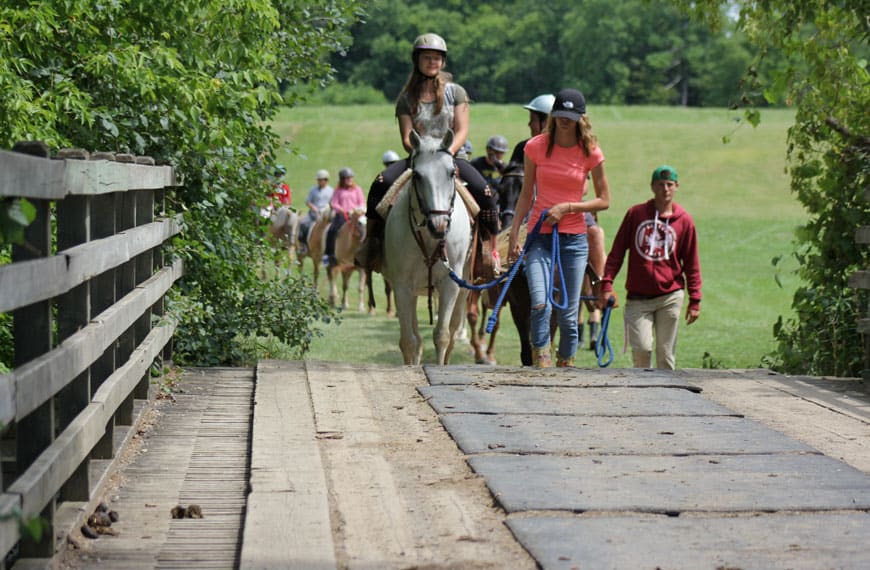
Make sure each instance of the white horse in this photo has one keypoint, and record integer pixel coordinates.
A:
(428, 232)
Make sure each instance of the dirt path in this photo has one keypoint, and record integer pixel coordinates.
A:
(401, 493)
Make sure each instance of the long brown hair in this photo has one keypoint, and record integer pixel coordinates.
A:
(585, 139)
(414, 86)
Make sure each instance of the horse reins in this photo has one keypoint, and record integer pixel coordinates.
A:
(440, 250)
(602, 346)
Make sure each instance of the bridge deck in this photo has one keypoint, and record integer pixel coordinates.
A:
(475, 467)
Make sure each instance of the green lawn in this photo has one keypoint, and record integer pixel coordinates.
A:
(737, 192)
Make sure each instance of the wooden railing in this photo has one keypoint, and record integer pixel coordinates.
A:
(86, 297)
(861, 280)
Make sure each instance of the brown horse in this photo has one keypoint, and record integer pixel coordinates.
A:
(347, 243)
(480, 302)
(315, 243)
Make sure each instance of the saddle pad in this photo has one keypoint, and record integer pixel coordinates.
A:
(504, 241)
(401, 183)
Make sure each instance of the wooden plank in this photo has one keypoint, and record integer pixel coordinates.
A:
(57, 463)
(860, 280)
(37, 280)
(864, 326)
(862, 235)
(40, 379)
(30, 176)
(8, 525)
(35, 177)
(288, 507)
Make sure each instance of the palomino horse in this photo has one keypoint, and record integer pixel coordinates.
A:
(315, 243)
(347, 242)
(479, 302)
(428, 232)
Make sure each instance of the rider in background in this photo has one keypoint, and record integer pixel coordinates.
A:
(557, 163)
(346, 198)
(491, 165)
(430, 104)
(281, 190)
(389, 157)
(318, 198)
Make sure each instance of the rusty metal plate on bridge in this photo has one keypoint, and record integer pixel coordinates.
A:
(584, 435)
(598, 377)
(798, 541)
(670, 484)
(614, 401)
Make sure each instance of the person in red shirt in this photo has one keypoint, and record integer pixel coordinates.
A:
(280, 189)
(662, 245)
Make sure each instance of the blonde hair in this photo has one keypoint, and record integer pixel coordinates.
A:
(585, 138)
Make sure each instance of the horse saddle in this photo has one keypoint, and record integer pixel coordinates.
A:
(404, 180)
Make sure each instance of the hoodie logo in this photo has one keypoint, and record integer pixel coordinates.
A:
(655, 240)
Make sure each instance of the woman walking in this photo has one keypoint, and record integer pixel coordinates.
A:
(557, 163)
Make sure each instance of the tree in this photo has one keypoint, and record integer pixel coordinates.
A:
(825, 43)
(193, 84)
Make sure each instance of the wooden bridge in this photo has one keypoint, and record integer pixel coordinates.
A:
(327, 465)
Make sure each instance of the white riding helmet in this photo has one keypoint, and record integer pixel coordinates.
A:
(541, 104)
(497, 143)
(390, 157)
(322, 174)
(430, 41)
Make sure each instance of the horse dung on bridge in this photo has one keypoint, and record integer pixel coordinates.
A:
(427, 233)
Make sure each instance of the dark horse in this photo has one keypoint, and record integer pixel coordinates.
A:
(479, 302)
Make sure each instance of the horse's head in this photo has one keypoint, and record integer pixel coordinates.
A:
(433, 181)
(509, 188)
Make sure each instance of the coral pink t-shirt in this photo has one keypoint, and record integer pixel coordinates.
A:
(560, 177)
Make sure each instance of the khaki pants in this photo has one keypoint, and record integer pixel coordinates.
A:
(657, 318)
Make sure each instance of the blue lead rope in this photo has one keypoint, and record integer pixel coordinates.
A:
(602, 346)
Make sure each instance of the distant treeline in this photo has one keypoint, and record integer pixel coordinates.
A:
(508, 51)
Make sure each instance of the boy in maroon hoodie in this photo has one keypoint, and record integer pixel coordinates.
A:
(662, 246)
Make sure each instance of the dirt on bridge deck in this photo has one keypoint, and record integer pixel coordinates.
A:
(351, 467)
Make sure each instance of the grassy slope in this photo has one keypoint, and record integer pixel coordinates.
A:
(737, 193)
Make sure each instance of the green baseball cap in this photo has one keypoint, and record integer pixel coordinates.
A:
(665, 172)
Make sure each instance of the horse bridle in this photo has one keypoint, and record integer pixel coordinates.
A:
(423, 206)
(440, 250)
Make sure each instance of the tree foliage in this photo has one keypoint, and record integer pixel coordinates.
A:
(192, 84)
(626, 52)
(825, 43)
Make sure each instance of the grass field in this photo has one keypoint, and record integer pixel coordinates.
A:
(737, 193)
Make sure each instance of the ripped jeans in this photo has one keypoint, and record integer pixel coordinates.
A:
(574, 252)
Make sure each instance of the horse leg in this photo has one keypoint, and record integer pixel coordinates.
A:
(410, 342)
(333, 287)
(388, 291)
(362, 289)
(518, 300)
(490, 348)
(472, 312)
(451, 300)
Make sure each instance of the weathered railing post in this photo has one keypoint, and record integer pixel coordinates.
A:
(861, 280)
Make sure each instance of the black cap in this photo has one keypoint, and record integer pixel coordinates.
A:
(570, 104)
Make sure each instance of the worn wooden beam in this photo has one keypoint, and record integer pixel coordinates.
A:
(862, 235)
(860, 280)
(41, 378)
(36, 177)
(9, 534)
(60, 460)
(28, 282)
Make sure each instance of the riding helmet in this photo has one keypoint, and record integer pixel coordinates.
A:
(322, 174)
(541, 104)
(429, 41)
(390, 157)
(345, 173)
(497, 143)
